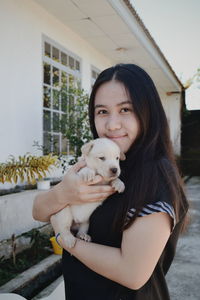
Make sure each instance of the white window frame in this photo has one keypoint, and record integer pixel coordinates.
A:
(69, 71)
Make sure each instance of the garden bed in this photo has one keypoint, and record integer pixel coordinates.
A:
(34, 280)
(40, 249)
(24, 261)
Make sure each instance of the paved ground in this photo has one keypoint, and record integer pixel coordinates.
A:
(184, 275)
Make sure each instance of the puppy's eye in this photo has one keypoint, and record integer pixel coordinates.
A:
(102, 158)
(117, 158)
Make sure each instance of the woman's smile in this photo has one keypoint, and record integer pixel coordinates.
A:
(116, 137)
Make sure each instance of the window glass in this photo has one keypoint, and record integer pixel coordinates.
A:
(56, 54)
(64, 101)
(77, 65)
(56, 144)
(47, 73)
(56, 97)
(71, 62)
(64, 59)
(47, 138)
(64, 78)
(56, 125)
(47, 49)
(71, 80)
(47, 121)
(63, 122)
(94, 74)
(47, 97)
(56, 74)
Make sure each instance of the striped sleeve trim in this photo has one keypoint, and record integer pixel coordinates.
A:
(153, 208)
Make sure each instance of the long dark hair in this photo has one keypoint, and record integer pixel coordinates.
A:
(150, 163)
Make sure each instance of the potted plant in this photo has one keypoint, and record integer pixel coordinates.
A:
(28, 168)
(43, 184)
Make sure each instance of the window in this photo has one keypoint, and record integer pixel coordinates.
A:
(94, 75)
(60, 68)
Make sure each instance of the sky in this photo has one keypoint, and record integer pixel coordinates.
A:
(175, 27)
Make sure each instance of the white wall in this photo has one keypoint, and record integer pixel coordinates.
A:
(22, 25)
(172, 106)
(16, 214)
(16, 218)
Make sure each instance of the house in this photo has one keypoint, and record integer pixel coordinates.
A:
(46, 42)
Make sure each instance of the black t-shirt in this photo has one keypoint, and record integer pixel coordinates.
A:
(81, 283)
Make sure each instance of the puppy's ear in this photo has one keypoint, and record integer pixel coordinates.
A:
(122, 156)
(85, 149)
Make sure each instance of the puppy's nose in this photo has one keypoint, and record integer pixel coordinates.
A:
(113, 170)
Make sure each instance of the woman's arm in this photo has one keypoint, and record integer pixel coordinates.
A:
(71, 190)
(133, 264)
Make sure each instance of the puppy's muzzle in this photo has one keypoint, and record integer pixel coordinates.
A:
(113, 171)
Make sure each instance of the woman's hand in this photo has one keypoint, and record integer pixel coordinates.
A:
(56, 226)
(73, 190)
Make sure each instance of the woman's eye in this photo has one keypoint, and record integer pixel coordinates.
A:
(125, 109)
(102, 158)
(102, 112)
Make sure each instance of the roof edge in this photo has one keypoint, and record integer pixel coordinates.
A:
(146, 31)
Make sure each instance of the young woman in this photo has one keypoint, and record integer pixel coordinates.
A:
(134, 234)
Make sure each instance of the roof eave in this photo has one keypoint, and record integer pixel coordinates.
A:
(134, 22)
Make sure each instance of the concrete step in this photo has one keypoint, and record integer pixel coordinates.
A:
(51, 289)
(32, 281)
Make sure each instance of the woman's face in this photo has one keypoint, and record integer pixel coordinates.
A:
(114, 116)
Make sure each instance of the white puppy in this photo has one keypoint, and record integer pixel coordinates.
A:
(102, 157)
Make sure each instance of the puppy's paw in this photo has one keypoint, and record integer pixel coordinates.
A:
(69, 240)
(87, 174)
(118, 185)
(84, 236)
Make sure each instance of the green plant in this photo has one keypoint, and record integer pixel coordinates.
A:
(38, 240)
(27, 167)
(40, 249)
(75, 122)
